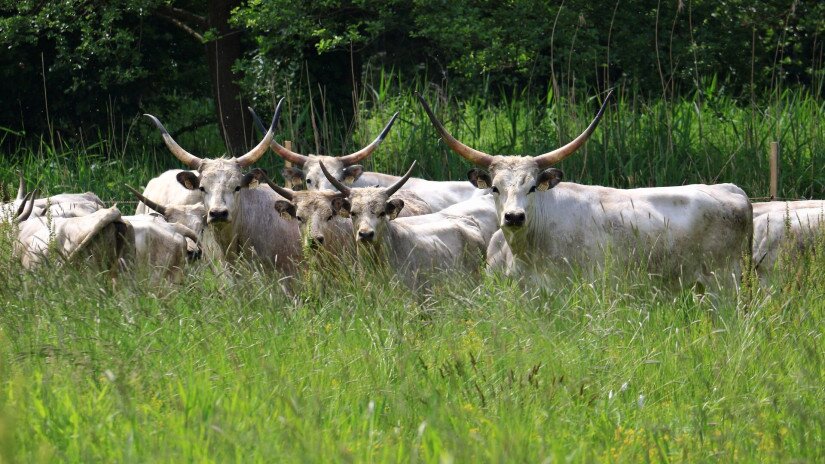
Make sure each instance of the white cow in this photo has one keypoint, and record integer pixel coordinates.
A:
(437, 194)
(416, 246)
(785, 233)
(161, 247)
(64, 204)
(191, 216)
(321, 220)
(240, 220)
(760, 208)
(102, 239)
(692, 232)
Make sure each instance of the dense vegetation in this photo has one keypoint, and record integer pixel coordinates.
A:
(354, 367)
(84, 71)
(351, 365)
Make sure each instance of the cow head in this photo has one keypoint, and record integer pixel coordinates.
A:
(370, 208)
(321, 216)
(220, 180)
(193, 217)
(306, 168)
(514, 180)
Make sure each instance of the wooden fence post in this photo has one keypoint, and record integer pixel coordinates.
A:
(774, 170)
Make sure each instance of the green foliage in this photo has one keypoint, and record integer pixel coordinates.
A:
(659, 48)
(77, 67)
(228, 368)
(103, 64)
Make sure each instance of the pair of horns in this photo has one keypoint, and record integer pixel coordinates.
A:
(149, 203)
(484, 160)
(26, 207)
(346, 190)
(300, 160)
(194, 162)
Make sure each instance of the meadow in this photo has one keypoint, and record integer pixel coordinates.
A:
(352, 366)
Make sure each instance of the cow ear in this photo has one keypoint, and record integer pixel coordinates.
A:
(253, 178)
(294, 177)
(189, 180)
(480, 178)
(548, 179)
(352, 173)
(341, 206)
(393, 208)
(285, 208)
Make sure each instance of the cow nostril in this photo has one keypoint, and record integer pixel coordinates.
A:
(319, 240)
(514, 218)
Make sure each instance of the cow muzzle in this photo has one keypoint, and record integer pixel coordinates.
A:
(218, 215)
(514, 218)
(316, 242)
(366, 235)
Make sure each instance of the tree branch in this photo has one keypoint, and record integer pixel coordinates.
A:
(184, 16)
(181, 25)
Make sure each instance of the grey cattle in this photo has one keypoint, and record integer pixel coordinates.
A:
(760, 208)
(102, 239)
(191, 216)
(160, 247)
(691, 232)
(240, 220)
(785, 233)
(413, 246)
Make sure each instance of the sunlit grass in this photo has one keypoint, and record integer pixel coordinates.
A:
(356, 367)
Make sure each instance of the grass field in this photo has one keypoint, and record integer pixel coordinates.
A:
(356, 368)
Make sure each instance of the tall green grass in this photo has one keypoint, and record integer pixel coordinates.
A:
(355, 367)
(705, 137)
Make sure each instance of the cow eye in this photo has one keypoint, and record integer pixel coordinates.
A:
(353, 215)
(238, 188)
(309, 181)
(382, 214)
(299, 218)
(202, 189)
(495, 189)
(532, 189)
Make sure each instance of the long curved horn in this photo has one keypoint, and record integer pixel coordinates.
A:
(557, 155)
(149, 203)
(288, 155)
(184, 156)
(185, 231)
(260, 149)
(28, 209)
(396, 186)
(22, 204)
(367, 151)
(21, 189)
(286, 193)
(337, 183)
(470, 154)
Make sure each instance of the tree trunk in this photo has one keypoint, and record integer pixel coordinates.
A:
(221, 54)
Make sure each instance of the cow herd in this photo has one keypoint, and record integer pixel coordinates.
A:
(516, 213)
